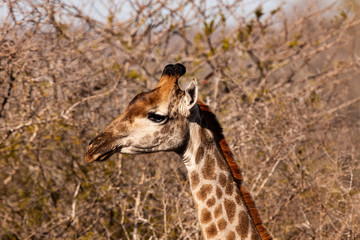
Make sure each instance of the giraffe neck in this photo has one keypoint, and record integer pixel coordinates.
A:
(222, 204)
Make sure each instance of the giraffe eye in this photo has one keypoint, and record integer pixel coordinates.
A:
(156, 117)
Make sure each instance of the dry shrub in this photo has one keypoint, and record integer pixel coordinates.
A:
(285, 88)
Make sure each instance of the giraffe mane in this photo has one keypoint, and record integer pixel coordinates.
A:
(214, 126)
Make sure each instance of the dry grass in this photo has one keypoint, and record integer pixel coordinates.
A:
(286, 90)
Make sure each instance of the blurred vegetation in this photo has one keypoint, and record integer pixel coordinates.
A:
(285, 87)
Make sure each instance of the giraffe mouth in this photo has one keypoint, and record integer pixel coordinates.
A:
(89, 158)
(105, 156)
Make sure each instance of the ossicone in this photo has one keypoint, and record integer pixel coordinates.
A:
(174, 70)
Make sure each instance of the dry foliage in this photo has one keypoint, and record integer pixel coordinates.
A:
(284, 86)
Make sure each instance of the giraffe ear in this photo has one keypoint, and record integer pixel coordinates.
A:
(189, 99)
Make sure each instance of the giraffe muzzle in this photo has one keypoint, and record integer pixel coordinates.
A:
(101, 148)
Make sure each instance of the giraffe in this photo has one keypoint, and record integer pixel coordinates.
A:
(170, 119)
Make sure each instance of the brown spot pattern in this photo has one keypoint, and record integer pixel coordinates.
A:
(199, 155)
(205, 216)
(218, 211)
(218, 193)
(165, 129)
(230, 236)
(180, 123)
(211, 202)
(221, 161)
(229, 186)
(222, 179)
(204, 191)
(237, 196)
(211, 231)
(254, 234)
(156, 141)
(221, 224)
(230, 208)
(194, 178)
(208, 169)
(243, 224)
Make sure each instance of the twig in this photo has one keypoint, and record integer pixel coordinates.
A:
(73, 205)
(335, 109)
(268, 177)
(65, 113)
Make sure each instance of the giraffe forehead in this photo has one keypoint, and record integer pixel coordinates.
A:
(146, 99)
(159, 98)
(143, 102)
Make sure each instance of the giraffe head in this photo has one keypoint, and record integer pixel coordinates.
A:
(153, 121)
